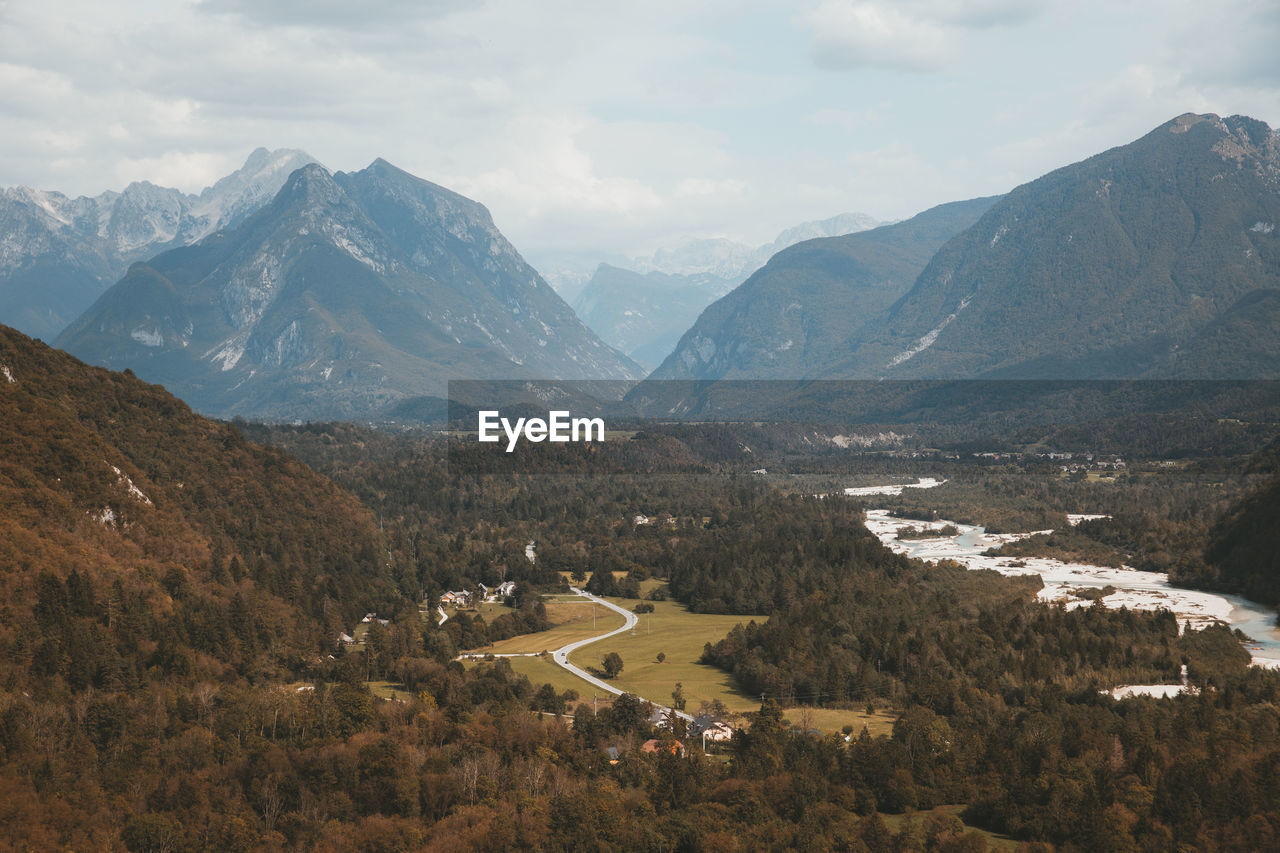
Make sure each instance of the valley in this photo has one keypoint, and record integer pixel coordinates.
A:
(950, 533)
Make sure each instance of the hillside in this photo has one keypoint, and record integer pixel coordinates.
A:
(174, 518)
(346, 295)
(807, 306)
(1148, 260)
(644, 314)
(643, 306)
(1243, 547)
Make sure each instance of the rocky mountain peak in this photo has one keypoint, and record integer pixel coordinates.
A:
(59, 253)
(347, 294)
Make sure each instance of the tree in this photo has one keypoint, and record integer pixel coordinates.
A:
(612, 664)
(662, 656)
(677, 695)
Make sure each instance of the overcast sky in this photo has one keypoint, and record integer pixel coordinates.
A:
(618, 128)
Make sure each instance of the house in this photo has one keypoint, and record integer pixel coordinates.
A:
(642, 519)
(368, 617)
(710, 729)
(505, 589)
(345, 639)
(717, 732)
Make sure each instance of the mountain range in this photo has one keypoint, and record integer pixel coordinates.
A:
(805, 306)
(345, 295)
(58, 254)
(643, 309)
(1156, 259)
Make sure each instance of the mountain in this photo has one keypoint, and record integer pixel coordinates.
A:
(1159, 258)
(347, 294)
(729, 259)
(58, 254)
(802, 310)
(643, 313)
(120, 483)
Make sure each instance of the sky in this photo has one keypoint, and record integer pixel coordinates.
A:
(605, 129)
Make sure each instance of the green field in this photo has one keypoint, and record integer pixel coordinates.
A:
(832, 720)
(995, 841)
(680, 635)
(542, 670)
(390, 690)
(676, 632)
(573, 618)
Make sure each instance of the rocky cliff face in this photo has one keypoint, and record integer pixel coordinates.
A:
(344, 296)
(58, 254)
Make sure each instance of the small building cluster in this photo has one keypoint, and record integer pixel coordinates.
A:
(469, 598)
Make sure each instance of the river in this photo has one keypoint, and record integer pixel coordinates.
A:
(1133, 589)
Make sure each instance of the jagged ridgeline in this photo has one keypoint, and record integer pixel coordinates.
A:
(348, 294)
(61, 253)
(136, 536)
(1155, 259)
(1159, 258)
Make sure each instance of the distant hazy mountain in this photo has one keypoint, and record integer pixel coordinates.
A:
(802, 310)
(345, 295)
(1160, 258)
(644, 314)
(58, 254)
(644, 310)
(729, 259)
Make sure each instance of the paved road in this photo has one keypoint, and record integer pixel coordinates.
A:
(561, 655)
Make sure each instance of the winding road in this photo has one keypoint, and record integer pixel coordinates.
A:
(561, 655)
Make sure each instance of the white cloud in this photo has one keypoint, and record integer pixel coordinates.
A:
(547, 171)
(906, 35)
(622, 127)
(707, 188)
(188, 171)
(866, 35)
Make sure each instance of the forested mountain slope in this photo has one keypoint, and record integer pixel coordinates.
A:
(1143, 261)
(813, 301)
(217, 548)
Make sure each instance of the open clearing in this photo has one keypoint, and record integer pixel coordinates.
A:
(833, 720)
(676, 632)
(995, 841)
(680, 635)
(542, 670)
(571, 618)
